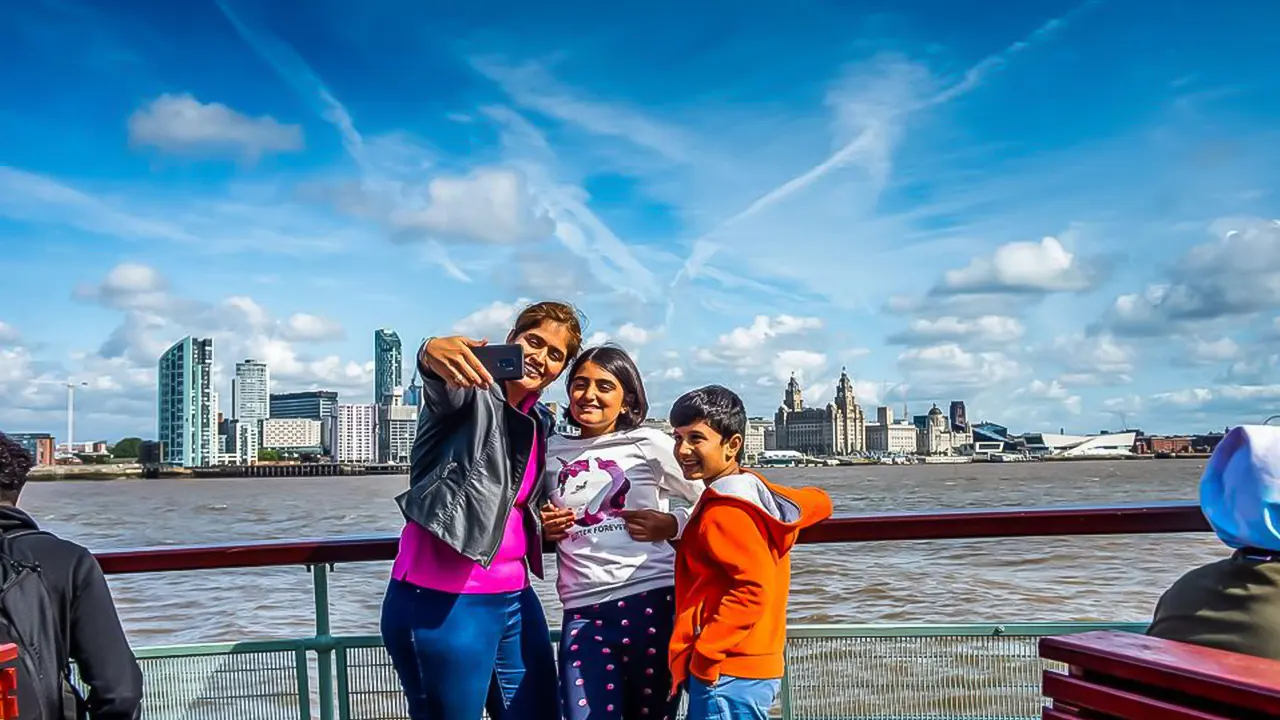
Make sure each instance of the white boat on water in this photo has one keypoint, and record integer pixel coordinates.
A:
(947, 459)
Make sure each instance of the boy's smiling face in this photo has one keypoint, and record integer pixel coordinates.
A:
(704, 454)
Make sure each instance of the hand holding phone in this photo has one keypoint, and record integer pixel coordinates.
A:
(454, 360)
(503, 362)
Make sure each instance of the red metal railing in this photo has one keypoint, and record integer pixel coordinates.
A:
(1124, 675)
(936, 525)
(8, 682)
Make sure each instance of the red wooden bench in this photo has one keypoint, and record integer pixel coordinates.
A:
(1125, 676)
(8, 682)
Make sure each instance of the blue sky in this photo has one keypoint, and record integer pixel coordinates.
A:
(1060, 212)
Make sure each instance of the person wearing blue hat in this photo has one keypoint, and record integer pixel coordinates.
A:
(1234, 604)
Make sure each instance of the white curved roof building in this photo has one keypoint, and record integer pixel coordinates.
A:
(1107, 444)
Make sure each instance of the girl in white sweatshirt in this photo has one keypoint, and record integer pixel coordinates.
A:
(611, 516)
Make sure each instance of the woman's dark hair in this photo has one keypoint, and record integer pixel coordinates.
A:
(551, 311)
(717, 406)
(15, 463)
(615, 361)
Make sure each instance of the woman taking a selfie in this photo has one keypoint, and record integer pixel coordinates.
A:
(464, 630)
(610, 489)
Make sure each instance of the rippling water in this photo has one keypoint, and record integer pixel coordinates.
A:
(1022, 580)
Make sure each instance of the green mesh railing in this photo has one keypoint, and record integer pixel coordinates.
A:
(834, 672)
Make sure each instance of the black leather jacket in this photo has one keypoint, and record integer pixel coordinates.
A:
(466, 465)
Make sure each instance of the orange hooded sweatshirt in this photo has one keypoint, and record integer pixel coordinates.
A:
(733, 574)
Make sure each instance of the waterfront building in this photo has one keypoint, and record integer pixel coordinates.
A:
(242, 442)
(397, 426)
(292, 434)
(387, 364)
(187, 404)
(92, 447)
(662, 425)
(989, 437)
(354, 433)
(959, 418)
(309, 405)
(770, 438)
(887, 436)
(939, 437)
(1061, 445)
(40, 445)
(251, 391)
(837, 429)
(754, 443)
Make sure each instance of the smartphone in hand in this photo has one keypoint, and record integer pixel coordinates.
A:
(504, 362)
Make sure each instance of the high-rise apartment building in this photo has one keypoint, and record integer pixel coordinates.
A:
(355, 433)
(187, 404)
(295, 434)
(959, 416)
(398, 424)
(309, 405)
(387, 365)
(251, 391)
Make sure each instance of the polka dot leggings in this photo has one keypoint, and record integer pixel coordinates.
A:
(613, 659)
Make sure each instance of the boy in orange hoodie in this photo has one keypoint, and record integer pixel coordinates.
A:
(733, 567)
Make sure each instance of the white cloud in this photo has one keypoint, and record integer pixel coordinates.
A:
(1052, 390)
(743, 344)
(803, 363)
(490, 205)
(9, 335)
(181, 124)
(1231, 404)
(1255, 369)
(304, 327)
(948, 366)
(1022, 267)
(634, 335)
(1093, 360)
(1209, 352)
(492, 321)
(986, 329)
(1236, 276)
(123, 368)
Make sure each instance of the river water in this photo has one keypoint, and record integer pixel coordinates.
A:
(1022, 580)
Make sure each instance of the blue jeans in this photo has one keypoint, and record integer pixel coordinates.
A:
(457, 655)
(731, 698)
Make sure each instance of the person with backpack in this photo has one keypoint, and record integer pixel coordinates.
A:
(56, 607)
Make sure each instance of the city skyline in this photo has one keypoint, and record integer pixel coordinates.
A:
(1014, 203)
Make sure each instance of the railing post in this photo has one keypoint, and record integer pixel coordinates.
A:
(324, 641)
(785, 690)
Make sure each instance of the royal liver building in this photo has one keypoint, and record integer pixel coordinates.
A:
(838, 429)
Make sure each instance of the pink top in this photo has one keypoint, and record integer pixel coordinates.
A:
(426, 561)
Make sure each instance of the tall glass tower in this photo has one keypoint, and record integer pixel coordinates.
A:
(386, 365)
(188, 413)
(251, 391)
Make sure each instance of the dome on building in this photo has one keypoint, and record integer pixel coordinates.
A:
(935, 411)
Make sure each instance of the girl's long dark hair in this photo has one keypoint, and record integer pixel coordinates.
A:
(615, 361)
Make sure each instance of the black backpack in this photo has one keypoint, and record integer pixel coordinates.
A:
(29, 619)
